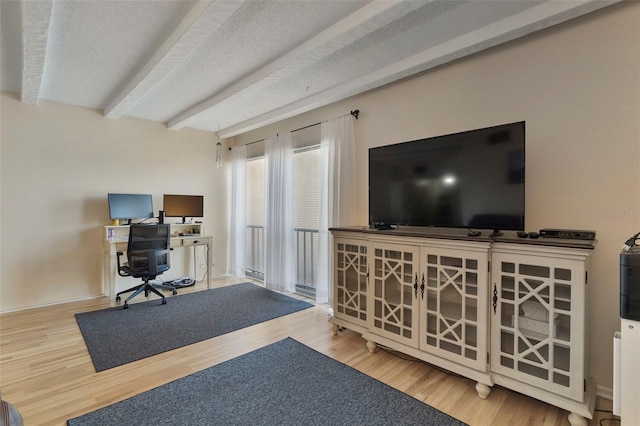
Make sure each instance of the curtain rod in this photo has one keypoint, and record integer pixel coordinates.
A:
(251, 143)
(355, 113)
(305, 127)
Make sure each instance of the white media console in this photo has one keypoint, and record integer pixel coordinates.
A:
(507, 310)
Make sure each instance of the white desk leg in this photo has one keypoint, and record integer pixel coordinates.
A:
(110, 270)
(112, 290)
(209, 261)
(106, 274)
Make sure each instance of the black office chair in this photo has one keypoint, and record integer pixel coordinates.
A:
(148, 257)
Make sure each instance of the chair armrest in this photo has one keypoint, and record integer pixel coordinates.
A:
(120, 271)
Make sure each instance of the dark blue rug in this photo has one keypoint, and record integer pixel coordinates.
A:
(117, 336)
(286, 383)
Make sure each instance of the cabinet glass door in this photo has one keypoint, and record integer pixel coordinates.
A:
(536, 323)
(351, 280)
(454, 314)
(394, 296)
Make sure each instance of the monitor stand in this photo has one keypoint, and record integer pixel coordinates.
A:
(495, 233)
(382, 226)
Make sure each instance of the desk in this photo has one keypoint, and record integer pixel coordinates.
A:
(116, 238)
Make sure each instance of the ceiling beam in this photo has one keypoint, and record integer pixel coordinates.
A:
(36, 20)
(360, 23)
(542, 16)
(203, 18)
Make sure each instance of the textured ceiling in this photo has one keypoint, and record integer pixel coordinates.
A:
(239, 65)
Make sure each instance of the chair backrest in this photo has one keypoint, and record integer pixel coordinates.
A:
(146, 240)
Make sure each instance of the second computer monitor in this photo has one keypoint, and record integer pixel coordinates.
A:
(183, 206)
(128, 207)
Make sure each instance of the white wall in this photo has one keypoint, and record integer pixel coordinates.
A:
(577, 86)
(58, 164)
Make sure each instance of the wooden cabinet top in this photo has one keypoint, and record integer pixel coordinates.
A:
(462, 234)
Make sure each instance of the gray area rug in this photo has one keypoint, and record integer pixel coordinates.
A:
(117, 336)
(286, 383)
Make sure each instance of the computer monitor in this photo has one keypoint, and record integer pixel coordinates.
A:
(126, 207)
(183, 206)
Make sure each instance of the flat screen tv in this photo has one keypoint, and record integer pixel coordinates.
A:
(127, 207)
(183, 206)
(472, 179)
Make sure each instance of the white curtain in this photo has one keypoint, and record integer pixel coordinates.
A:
(238, 214)
(279, 235)
(338, 205)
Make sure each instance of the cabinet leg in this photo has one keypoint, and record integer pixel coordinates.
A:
(335, 328)
(577, 420)
(371, 346)
(483, 390)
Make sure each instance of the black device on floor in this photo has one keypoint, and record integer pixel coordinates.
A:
(182, 282)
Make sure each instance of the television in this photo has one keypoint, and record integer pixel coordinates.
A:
(127, 207)
(472, 179)
(183, 206)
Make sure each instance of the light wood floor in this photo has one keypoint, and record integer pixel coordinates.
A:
(46, 371)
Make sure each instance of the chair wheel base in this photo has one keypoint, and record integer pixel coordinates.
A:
(126, 306)
(174, 292)
(118, 298)
(164, 302)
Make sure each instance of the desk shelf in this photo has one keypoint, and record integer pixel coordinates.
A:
(121, 232)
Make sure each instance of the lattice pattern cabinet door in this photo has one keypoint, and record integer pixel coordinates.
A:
(350, 280)
(454, 305)
(394, 296)
(538, 322)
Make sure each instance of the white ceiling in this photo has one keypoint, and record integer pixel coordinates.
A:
(239, 65)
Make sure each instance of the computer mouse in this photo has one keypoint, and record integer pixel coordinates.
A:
(522, 234)
(534, 235)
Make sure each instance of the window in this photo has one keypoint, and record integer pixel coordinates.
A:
(306, 172)
(306, 196)
(255, 193)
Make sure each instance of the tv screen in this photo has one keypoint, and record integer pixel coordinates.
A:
(130, 206)
(472, 179)
(183, 205)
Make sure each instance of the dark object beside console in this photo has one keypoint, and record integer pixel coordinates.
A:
(630, 284)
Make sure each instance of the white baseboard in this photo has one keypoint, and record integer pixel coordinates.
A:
(603, 392)
(26, 308)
